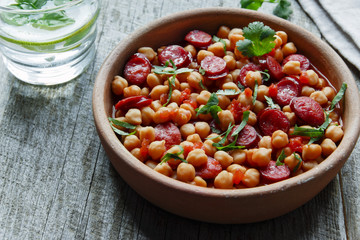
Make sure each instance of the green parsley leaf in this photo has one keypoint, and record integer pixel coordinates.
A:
(297, 165)
(283, 9)
(242, 124)
(281, 158)
(316, 133)
(241, 87)
(251, 4)
(228, 92)
(230, 146)
(121, 124)
(255, 92)
(214, 130)
(265, 75)
(338, 96)
(222, 141)
(271, 103)
(201, 71)
(171, 85)
(217, 39)
(211, 107)
(175, 156)
(202, 85)
(259, 40)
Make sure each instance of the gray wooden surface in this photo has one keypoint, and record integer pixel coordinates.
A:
(56, 181)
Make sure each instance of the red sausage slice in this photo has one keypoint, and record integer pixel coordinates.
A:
(210, 170)
(244, 70)
(271, 120)
(198, 38)
(248, 137)
(304, 61)
(214, 66)
(137, 69)
(177, 54)
(275, 69)
(308, 110)
(273, 173)
(133, 102)
(287, 89)
(168, 132)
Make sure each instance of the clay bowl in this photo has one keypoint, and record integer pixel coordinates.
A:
(216, 205)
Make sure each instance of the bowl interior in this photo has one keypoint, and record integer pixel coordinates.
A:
(171, 30)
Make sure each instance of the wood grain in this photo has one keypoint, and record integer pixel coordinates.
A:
(56, 181)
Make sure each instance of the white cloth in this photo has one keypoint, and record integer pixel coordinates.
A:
(339, 23)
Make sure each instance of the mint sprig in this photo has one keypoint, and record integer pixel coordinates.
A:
(338, 96)
(280, 159)
(175, 156)
(118, 123)
(211, 107)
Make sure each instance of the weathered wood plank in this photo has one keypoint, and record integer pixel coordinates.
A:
(57, 183)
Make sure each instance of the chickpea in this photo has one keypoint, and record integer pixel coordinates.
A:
(283, 36)
(311, 152)
(131, 142)
(223, 158)
(230, 85)
(261, 156)
(289, 48)
(131, 91)
(249, 154)
(241, 63)
(164, 169)
(224, 180)
(188, 107)
(230, 62)
(153, 80)
(208, 147)
(328, 146)
(157, 91)
(329, 93)
(279, 139)
(148, 52)
(157, 149)
(245, 100)
(150, 163)
(306, 166)
(118, 85)
(156, 105)
(235, 167)
(198, 181)
(287, 108)
(203, 98)
(251, 177)
(278, 41)
(258, 106)
(145, 92)
(202, 54)
(162, 115)
(223, 32)
(292, 68)
(252, 77)
(203, 129)
(197, 157)
(191, 49)
(187, 129)
(133, 116)
(321, 83)
(187, 145)
(313, 77)
(319, 97)
(176, 150)
(252, 118)
(292, 118)
(234, 38)
(235, 73)
(217, 49)
(136, 153)
(334, 132)
(214, 137)
(239, 156)
(185, 172)
(175, 85)
(194, 138)
(292, 162)
(224, 101)
(225, 117)
(279, 56)
(262, 92)
(334, 116)
(184, 85)
(194, 80)
(204, 117)
(147, 133)
(307, 91)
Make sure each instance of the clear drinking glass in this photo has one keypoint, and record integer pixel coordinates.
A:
(47, 42)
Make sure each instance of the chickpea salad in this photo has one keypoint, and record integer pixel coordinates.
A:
(239, 109)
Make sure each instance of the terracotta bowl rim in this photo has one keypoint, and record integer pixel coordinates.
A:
(339, 156)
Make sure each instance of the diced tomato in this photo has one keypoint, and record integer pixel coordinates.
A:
(185, 95)
(191, 102)
(304, 78)
(272, 53)
(248, 92)
(296, 144)
(198, 145)
(273, 90)
(238, 176)
(144, 147)
(163, 98)
(133, 102)
(237, 109)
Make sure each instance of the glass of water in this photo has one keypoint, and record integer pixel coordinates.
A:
(47, 42)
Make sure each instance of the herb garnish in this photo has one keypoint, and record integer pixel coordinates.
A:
(211, 107)
(173, 72)
(297, 165)
(175, 156)
(118, 123)
(217, 39)
(280, 159)
(201, 71)
(228, 92)
(283, 9)
(242, 124)
(255, 93)
(220, 145)
(271, 103)
(240, 86)
(338, 96)
(265, 75)
(222, 141)
(259, 40)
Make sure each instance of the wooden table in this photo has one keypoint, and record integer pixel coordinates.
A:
(56, 181)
